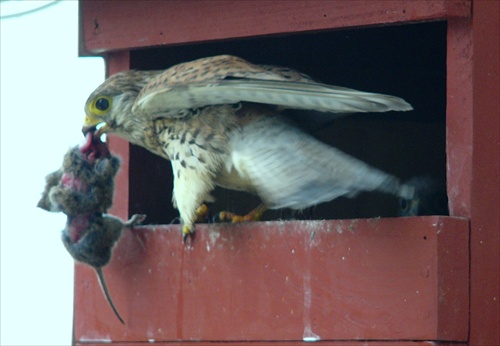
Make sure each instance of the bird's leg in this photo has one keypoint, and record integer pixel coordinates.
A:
(191, 188)
(254, 215)
(187, 232)
(201, 216)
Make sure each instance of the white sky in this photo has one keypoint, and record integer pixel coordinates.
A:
(43, 88)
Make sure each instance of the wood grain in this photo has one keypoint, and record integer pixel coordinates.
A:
(370, 279)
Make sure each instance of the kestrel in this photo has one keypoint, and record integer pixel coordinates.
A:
(220, 121)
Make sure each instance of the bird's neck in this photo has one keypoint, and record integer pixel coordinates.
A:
(133, 128)
(126, 124)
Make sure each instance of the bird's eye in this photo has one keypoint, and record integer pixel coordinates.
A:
(102, 104)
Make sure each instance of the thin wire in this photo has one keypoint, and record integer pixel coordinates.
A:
(24, 13)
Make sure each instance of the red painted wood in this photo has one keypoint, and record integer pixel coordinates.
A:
(459, 112)
(375, 279)
(115, 63)
(264, 343)
(485, 198)
(472, 119)
(331, 343)
(115, 25)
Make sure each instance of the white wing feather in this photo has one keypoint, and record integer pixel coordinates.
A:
(290, 169)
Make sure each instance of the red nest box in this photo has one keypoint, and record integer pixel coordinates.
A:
(355, 273)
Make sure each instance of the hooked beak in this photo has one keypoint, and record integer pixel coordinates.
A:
(87, 129)
(91, 124)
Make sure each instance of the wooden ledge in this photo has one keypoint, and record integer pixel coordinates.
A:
(116, 25)
(368, 279)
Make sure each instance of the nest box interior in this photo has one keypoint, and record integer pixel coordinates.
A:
(408, 61)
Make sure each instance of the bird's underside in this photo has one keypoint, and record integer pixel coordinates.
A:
(219, 121)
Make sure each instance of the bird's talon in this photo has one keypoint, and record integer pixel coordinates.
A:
(257, 213)
(222, 216)
(254, 215)
(227, 216)
(202, 213)
(187, 232)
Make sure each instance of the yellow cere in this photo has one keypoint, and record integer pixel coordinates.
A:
(92, 121)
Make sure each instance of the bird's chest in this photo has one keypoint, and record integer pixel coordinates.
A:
(183, 149)
(198, 142)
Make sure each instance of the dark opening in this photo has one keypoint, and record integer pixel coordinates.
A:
(408, 61)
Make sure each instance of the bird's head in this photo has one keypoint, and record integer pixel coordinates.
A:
(109, 108)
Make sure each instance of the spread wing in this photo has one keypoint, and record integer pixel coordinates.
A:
(228, 80)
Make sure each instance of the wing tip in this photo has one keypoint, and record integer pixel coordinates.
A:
(404, 106)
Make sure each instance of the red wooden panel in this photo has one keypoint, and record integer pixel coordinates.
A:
(114, 25)
(115, 63)
(485, 199)
(459, 116)
(331, 343)
(373, 279)
(472, 117)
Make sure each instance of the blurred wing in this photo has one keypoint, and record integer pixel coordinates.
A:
(229, 80)
(290, 169)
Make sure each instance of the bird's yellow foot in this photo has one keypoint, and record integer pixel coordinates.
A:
(201, 216)
(202, 213)
(187, 232)
(254, 215)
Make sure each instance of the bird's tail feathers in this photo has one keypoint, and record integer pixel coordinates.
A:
(394, 186)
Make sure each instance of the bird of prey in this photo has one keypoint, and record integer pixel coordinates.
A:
(220, 121)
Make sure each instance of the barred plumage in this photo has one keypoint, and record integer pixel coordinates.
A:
(218, 121)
